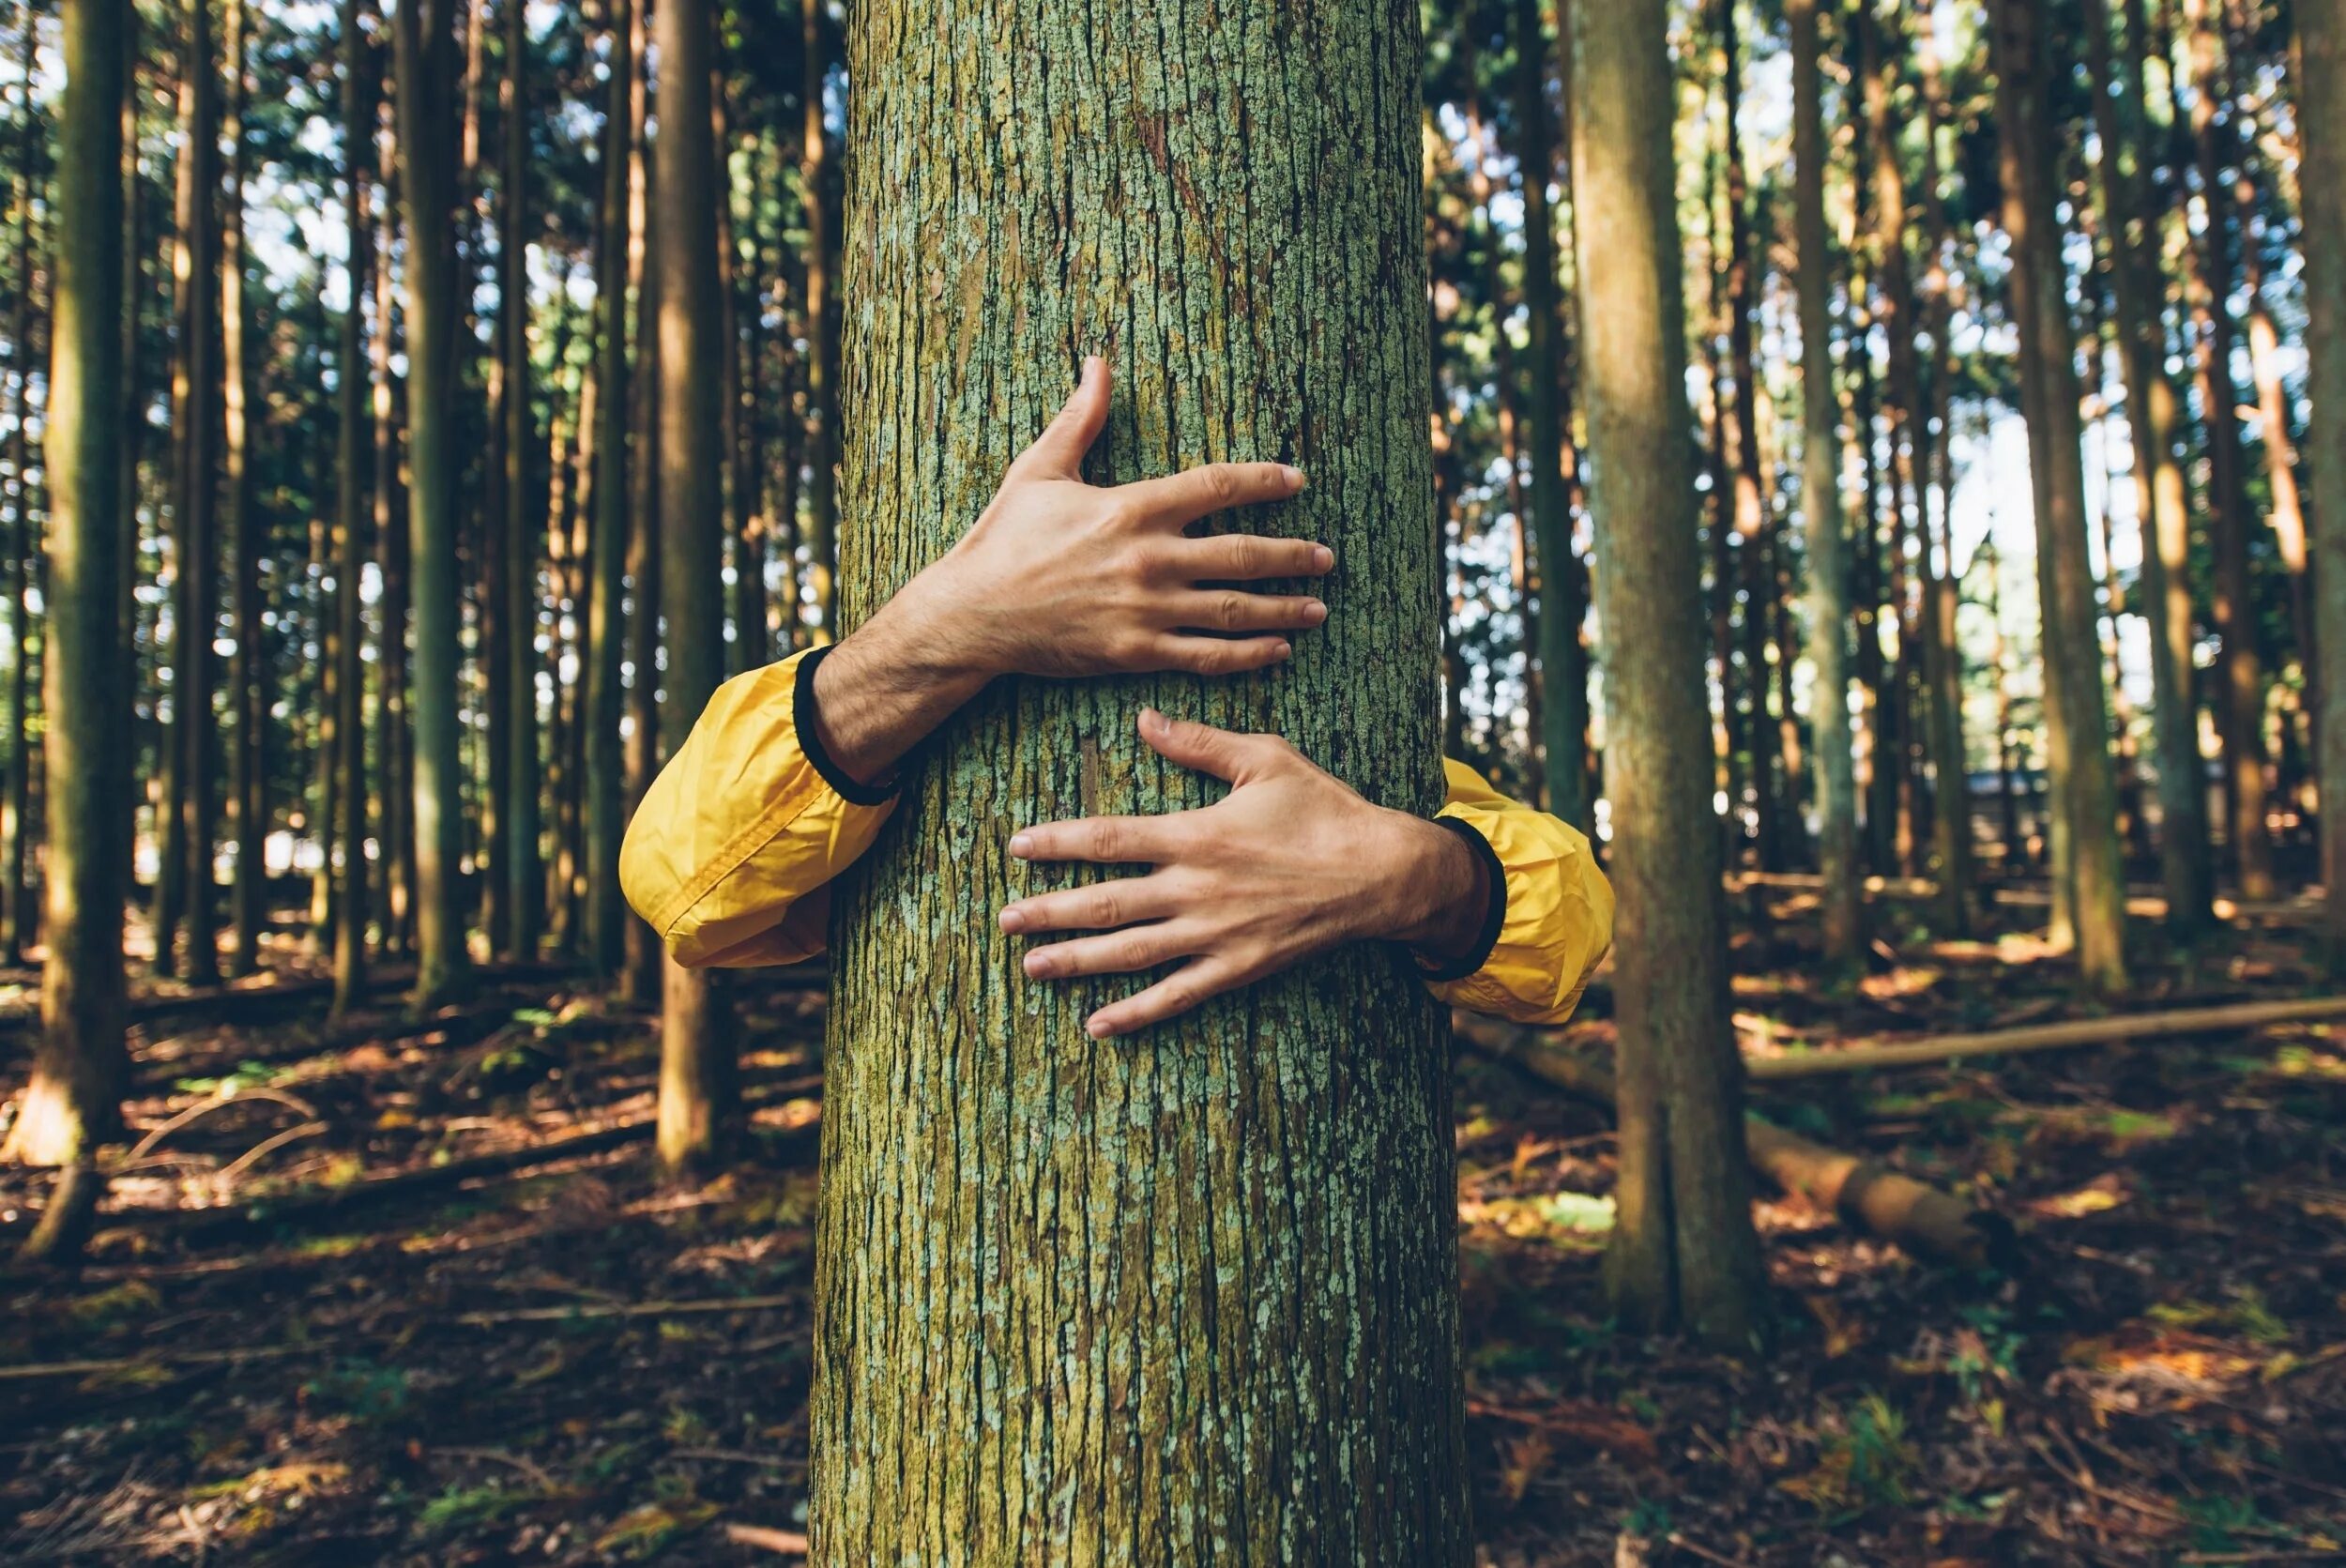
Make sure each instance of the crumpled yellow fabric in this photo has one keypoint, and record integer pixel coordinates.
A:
(731, 854)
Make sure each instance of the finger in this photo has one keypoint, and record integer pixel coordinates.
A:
(1116, 952)
(1059, 451)
(1237, 610)
(1102, 840)
(1101, 906)
(1220, 752)
(1245, 557)
(1217, 655)
(1169, 997)
(1179, 499)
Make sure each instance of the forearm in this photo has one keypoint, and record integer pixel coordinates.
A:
(882, 691)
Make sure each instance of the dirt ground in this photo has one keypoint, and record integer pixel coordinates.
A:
(400, 1333)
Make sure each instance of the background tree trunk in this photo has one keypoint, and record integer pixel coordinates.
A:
(606, 913)
(353, 502)
(524, 871)
(816, 182)
(24, 539)
(1683, 1248)
(246, 787)
(1821, 500)
(2321, 104)
(79, 1065)
(1237, 1230)
(197, 417)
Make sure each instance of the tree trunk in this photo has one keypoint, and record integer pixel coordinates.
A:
(815, 184)
(1563, 657)
(353, 500)
(2239, 673)
(1684, 1250)
(698, 1097)
(395, 739)
(426, 69)
(642, 977)
(2077, 725)
(198, 563)
(2321, 106)
(518, 816)
(606, 913)
(1190, 1298)
(16, 728)
(1842, 903)
(2161, 498)
(246, 788)
(80, 1066)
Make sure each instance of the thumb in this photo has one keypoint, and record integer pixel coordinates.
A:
(1058, 452)
(1226, 755)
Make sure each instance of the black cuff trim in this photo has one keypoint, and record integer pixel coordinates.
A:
(811, 739)
(1494, 907)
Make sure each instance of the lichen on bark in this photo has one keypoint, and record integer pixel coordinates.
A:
(1188, 1298)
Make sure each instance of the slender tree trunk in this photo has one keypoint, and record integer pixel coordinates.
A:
(1075, 1218)
(80, 1066)
(817, 197)
(2153, 410)
(2084, 789)
(198, 557)
(425, 68)
(24, 535)
(606, 914)
(1683, 1250)
(395, 738)
(698, 1097)
(353, 504)
(2240, 671)
(1820, 499)
(2280, 449)
(524, 871)
(642, 977)
(2321, 106)
(244, 531)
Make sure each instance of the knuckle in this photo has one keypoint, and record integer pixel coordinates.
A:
(1105, 839)
(1136, 953)
(1229, 609)
(1246, 556)
(1105, 912)
(1221, 484)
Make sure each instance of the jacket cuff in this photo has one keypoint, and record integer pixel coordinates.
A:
(811, 739)
(1494, 907)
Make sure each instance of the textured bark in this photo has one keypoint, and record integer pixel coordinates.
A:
(247, 790)
(425, 48)
(2321, 106)
(2085, 800)
(74, 1100)
(1841, 903)
(2161, 497)
(698, 1091)
(1683, 1250)
(354, 499)
(24, 538)
(518, 814)
(1190, 1297)
(1563, 656)
(817, 203)
(606, 913)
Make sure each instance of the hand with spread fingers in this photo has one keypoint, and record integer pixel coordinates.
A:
(1290, 863)
(1062, 578)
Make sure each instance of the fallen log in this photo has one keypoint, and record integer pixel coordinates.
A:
(2066, 1035)
(1865, 1193)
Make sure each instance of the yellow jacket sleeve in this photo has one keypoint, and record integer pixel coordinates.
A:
(731, 854)
(1552, 911)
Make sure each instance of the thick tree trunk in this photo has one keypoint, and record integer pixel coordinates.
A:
(1842, 904)
(816, 198)
(1684, 1250)
(347, 835)
(74, 1100)
(24, 538)
(698, 1096)
(425, 47)
(606, 913)
(1190, 1298)
(246, 787)
(2085, 800)
(2321, 106)
(2161, 497)
(518, 816)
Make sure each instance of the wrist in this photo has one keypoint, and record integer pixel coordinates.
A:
(1440, 891)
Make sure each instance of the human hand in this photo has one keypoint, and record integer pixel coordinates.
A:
(1290, 863)
(1062, 578)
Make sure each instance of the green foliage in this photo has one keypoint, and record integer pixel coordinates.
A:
(361, 1389)
(463, 1508)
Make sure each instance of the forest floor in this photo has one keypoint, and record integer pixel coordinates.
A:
(400, 1333)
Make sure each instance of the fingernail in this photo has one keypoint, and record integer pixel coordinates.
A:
(1036, 965)
(1154, 722)
(1021, 844)
(1013, 919)
(1323, 558)
(1091, 363)
(1295, 476)
(1096, 1027)
(1315, 612)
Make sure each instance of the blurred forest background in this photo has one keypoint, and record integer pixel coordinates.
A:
(334, 569)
